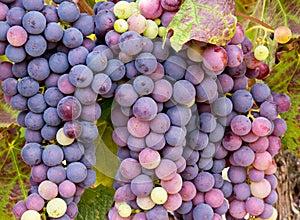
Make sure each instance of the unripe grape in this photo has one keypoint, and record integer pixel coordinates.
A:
(261, 52)
(122, 9)
(159, 195)
(31, 215)
(260, 189)
(62, 138)
(124, 210)
(120, 26)
(282, 34)
(56, 208)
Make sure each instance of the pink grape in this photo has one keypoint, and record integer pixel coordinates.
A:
(214, 198)
(254, 206)
(173, 202)
(138, 128)
(237, 209)
(262, 160)
(173, 185)
(188, 191)
(149, 158)
(166, 170)
(17, 36)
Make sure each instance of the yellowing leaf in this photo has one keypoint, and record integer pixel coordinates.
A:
(210, 21)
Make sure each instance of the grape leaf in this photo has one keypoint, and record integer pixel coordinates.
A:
(210, 21)
(13, 171)
(8, 115)
(107, 162)
(285, 78)
(95, 203)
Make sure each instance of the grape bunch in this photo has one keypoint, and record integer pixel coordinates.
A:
(196, 141)
(48, 81)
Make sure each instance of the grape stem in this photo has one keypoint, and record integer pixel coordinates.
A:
(255, 20)
(84, 7)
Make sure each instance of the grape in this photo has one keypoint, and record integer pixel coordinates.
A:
(255, 175)
(159, 195)
(260, 189)
(9, 86)
(143, 85)
(86, 96)
(267, 212)
(237, 209)
(38, 69)
(122, 10)
(191, 156)
(90, 178)
(204, 181)
(283, 102)
(241, 191)
(69, 108)
(203, 211)
(188, 191)
(261, 52)
(145, 63)
(237, 174)
(162, 90)
(240, 125)
(217, 134)
(58, 62)
(19, 209)
(280, 127)
(160, 123)
(53, 32)
(64, 85)
(76, 172)
(89, 132)
(261, 126)
(130, 168)
(56, 208)
(130, 43)
(104, 21)
(49, 132)
(85, 24)
(34, 22)
(141, 185)
(254, 206)
(32, 136)
(268, 110)
(170, 5)
(218, 165)
(282, 34)
(67, 189)
(121, 26)
(72, 37)
(80, 76)
(48, 190)
(198, 140)
(51, 117)
(28, 87)
(73, 152)
(274, 145)
(260, 145)
(18, 102)
(175, 136)
(52, 155)
(50, 13)
(151, 30)
(222, 106)
(208, 151)
(137, 23)
(175, 67)
(15, 15)
(260, 92)
(125, 95)
(120, 136)
(173, 185)
(31, 215)
(35, 202)
(96, 61)
(145, 203)
(145, 109)
(208, 122)
(239, 34)
(272, 198)
(15, 54)
(4, 29)
(215, 58)
(124, 210)
(52, 80)
(235, 55)
(149, 158)
(91, 112)
(173, 202)
(32, 153)
(150, 10)
(206, 90)
(214, 198)
(16, 36)
(56, 174)
(68, 11)
(242, 101)
(3, 45)
(3, 11)
(138, 128)
(184, 92)
(166, 170)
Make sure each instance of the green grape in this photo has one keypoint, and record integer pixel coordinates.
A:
(31, 215)
(261, 52)
(134, 8)
(159, 195)
(62, 139)
(120, 25)
(122, 9)
(157, 21)
(56, 208)
(151, 31)
(282, 34)
(145, 203)
(162, 31)
(124, 210)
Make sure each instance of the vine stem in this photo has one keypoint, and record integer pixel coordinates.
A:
(254, 20)
(84, 7)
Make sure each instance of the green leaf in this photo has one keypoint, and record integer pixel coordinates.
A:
(13, 171)
(90, 3)
(285, 78)
(207, 21)
(107, 162)
(95, 203)
(8, 115)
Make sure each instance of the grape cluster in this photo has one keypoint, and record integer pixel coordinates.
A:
(195, 141)
(48, 82)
